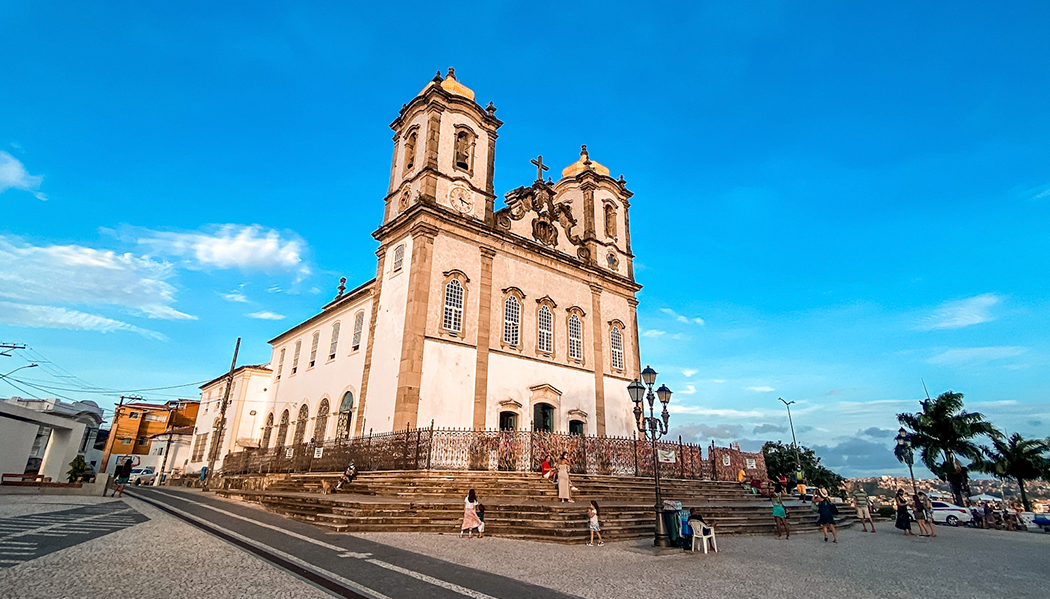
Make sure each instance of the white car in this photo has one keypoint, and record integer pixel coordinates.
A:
(950, 514)
(142, 476)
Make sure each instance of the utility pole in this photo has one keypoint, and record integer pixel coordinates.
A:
(5, 348)
(217, 434)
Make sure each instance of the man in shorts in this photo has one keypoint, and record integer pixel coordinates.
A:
(860, 501)
(800, 485)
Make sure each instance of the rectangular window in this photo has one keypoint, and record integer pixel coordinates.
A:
(359, 323)
(295, 357)
(575, 338)
(452, 320)
(313, 348)
(280, 365)
(133, 415)
(156, 418)
(616, 341)
(545, 341)
(125, 440)
(511, 321)
(399, 257)
(143, 440)
(335, 341)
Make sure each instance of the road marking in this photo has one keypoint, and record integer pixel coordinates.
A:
(344, 553)
(355, 555)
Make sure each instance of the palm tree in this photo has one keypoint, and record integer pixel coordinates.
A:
(1017, 458)
(942, 432)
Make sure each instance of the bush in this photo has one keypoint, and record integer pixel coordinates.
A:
(887, 512)
(78, 468)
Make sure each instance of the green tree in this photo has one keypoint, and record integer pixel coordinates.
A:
(77, 468)
(780, 460)
(1017, 458)
(942, 432)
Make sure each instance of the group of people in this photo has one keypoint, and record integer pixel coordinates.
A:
(923, 508)
(826, 512)
(559, 476)
(474, 519)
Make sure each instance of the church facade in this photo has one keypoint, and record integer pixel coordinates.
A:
(522, 317)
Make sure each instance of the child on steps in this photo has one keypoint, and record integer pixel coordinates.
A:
(592, 514)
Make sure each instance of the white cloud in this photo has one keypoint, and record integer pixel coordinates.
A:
(969, 355)
(266, 315)
(248, 247)
(716, 412)
(235, 296)
(28, 315)
(684, 319)
(716, 381)
(760, 389)
(689, 390)
(13, 175)
(961, 313)
(78, 275)
(653, 333)
(689, 372)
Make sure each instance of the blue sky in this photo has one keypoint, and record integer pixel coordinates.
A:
(831, 202)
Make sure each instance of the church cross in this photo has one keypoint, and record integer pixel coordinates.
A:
(540, 167)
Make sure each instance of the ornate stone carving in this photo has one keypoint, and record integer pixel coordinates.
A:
(539, 199)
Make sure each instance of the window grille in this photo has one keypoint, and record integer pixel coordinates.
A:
(616, 341)
(300, 425)
(335, 341)
(546, 330)
(511, 321)
(267, 431)
(321, 424)
(280, 365)
(453, 317)
(575, 338)
(295, 357)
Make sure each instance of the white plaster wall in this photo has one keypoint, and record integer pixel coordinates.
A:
(511, 377)
(446, 393)
(326, 379)
(386, 348)
(619, 418)
(18, 437)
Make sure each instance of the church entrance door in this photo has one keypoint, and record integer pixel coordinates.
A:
(543, 418)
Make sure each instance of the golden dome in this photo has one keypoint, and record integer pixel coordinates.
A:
(584, 163)
(450, 85)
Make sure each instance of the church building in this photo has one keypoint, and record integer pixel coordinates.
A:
(513, 318)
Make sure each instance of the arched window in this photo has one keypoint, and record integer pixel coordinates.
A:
(295, 356)
(575, 338)
(464, 149)
(280, 366)
(335, 341)
(410, 150)
(452, 320)
(399, 257)
(267, 432)
(300, 425)
(545, 331)
(359, 323)
(610, 220)
(313, 348)
(321, 424)
(511, 321)
(346, 409)
(616, 343)
(282, 430)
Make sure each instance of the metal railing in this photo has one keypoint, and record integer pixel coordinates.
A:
(473, 450)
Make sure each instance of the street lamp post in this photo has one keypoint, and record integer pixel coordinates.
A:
(794, 443)
(904, 442)
(652, 427)
(4, 376)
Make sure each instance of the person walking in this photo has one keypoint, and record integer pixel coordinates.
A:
(123, 475)
(592, 516)
(800, 485)
(470, 515)
(927, 506)
(780, 514)
(860, 501)
(903, 520)
(827, 516)
(920, 515)
(564, 485)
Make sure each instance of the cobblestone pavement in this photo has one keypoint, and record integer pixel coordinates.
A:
(30, 536)
(161, 558)
(959, 563)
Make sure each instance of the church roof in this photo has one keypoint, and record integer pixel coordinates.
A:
(583, 164)
(450, 85)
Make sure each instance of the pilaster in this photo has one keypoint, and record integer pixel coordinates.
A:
(481, 369)
(598, 334)
(410, 371)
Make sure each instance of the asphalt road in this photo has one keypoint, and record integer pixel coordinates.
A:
(344, 565)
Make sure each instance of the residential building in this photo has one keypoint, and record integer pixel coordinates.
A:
(134, 425)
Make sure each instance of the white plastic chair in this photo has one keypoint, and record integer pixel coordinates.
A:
(701, 534)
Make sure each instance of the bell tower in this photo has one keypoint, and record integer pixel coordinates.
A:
(444, 151)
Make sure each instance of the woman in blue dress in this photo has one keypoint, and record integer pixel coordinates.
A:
(827, 516)
(779, 511)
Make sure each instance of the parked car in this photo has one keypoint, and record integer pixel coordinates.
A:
(950, 514)
(142, 476)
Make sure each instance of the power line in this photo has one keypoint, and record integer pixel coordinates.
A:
(101, 391)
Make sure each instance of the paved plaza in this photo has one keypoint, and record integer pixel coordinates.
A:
(153, 554)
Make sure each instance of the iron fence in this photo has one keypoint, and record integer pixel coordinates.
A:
(465, 449)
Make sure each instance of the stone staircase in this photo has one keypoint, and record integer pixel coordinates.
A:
(519, 505)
